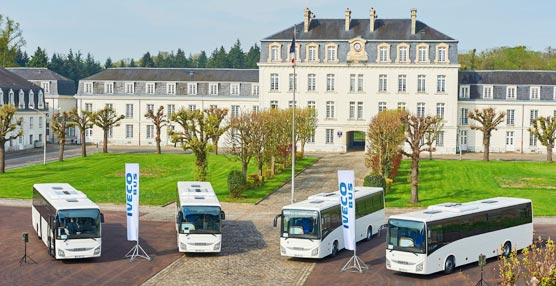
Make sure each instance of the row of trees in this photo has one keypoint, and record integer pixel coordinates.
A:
(391, 129)
(509, 58)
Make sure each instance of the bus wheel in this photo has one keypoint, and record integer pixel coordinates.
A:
(449, 265)
(335, 248)
(369, 233)
(507, 248)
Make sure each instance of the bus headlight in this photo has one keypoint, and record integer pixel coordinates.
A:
(97, 251)
(315, 252)
(183, 246)
(61, 253)
(283, 250)
(419, 267)
(217, 246)
(388, 263)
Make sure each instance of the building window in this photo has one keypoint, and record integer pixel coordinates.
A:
(330, 109)
(441, 83)
(422, 53)
(192, 88)
(487, 92)
(234, 89)
(442, 54)
(359, 83)
(311, 138)
(382, 83)
(292, 84)
(509, 138)
(150, 88)
(88, 87)
(150, 107)
(311, 104)
(420, 109)
(109, 87)
(274, 53)
(273, 82)
(532, 140)
(235, 111)
(311, 82)
(421, 83)
(535, 92)
(41, 99)
(45, 86)
(274, 104)
(129, 111)
(255, 89)
(510, 92)
(40, 122)
(356, 83)
(464, 91)
(88, 107)
(510, 117)
(21, 99)
(402, 83)
(401, 105)
(381, 106)
(150, 131)
(31, 99)
(440, 138)
(534, 114)
(192, 107)
(171, 88)
(312, 53)
(291, 104)
(170, 110)
(213, 89)
(330, 82)
(129, 87)
(255, 109)
(440, 110)
(463, 137)
(31, 122)
(383, 53)
(129, 131)
(359, 110)
(331, 53)
(329, 136)
(403, 53)
(464, 118)
(352, 110)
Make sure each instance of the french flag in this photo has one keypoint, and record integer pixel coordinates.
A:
(292, 48)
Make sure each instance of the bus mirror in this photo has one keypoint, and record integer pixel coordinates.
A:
(276, 220)
(101, 217)
(178, 217)
(222, 215)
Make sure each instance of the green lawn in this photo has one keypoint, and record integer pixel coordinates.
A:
(460, 181)
(101, 177)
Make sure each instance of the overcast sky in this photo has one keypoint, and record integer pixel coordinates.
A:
(129, 28)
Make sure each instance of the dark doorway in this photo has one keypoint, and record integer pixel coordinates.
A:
(355, 141)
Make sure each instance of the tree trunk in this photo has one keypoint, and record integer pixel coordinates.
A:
(105, 143)
(415, 179)
(244, 166)
(200, 166)
(2, 157)
(216, 148)
(61, 150)
(430, 155)
(158, 150)
(486, 146)
(260, 169)
(549, 153)
(83, 144)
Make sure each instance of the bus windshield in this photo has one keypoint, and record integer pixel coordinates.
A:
(200, 219)
(406, 235)
(300, 224)
(78, 224)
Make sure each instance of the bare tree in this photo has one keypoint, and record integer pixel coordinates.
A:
(431, 136)
(217, 115)
(544, 129)
(8, 130)
(385, 138)
(415, 129)
(106, 119)
(159, 120)
(488, 120)
(83, 120)
(305, 124)
(241, 136)
(59, 124)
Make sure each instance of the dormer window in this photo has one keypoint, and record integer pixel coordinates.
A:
(213, 89)
(1, 97)
(31, 99)
(464, 91)
(403, 53)
(129, 87)
(255, 89)
(171, 88)
(149, 87)
(422, 53)
(21, 104)
(441, 54)
(274, 51)
(109, 87)
(487, 92)
(11, 96)
(331, 53)
(511, 92)
(383, 53)
(535, 93)
(234, 89)
(45, 86)
(88, 87)
(40, 100)
(312, 52)
(192, 88)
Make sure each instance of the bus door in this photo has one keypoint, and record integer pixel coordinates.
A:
(51, 228)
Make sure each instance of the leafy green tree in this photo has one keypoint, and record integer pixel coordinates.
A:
(488, 119)
(147, 61)
(240, 139)
(202, 60)
(252, 57)
(59, 124)
(57, 64)
(544, 129)
(305, 124)
(83, 120)
(21, 58)
(218, 59)
(132, 64)
(180, 60)
(108, 63)
(39, 59)
(217, 115)
(236, 57)
(106, 119)
(159, 120)
(11, 40)
(10, 129)
(415, 130)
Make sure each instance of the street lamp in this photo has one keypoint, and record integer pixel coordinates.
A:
(44, 135)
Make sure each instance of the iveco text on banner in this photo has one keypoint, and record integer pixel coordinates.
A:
(346, 181)
(132, 200)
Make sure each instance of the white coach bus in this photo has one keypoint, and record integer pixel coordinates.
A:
(199, 218)
(313, 228)
(66, 221)
(445, 236)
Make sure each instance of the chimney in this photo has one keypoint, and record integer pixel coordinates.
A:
(413, 20)
(372, 22)
(348, 18)
(308, 15)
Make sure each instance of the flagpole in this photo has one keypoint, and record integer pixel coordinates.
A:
(292, 48)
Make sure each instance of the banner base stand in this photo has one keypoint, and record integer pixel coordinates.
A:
(355, 264)
(137, 251)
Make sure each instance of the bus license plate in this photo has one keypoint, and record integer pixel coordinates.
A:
(79, 256)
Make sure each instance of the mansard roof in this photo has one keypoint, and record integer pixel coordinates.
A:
(384, 30)
(514, 77)
(10, 80)
(65, 85)
(176, 74)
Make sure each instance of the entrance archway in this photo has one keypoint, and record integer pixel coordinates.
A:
(355, 141)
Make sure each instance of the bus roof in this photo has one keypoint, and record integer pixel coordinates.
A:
(324, 201)
(449, 210)
(63, 196)
(197, 194)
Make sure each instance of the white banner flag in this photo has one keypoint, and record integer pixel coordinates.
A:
(132, 200)
(346, 181)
